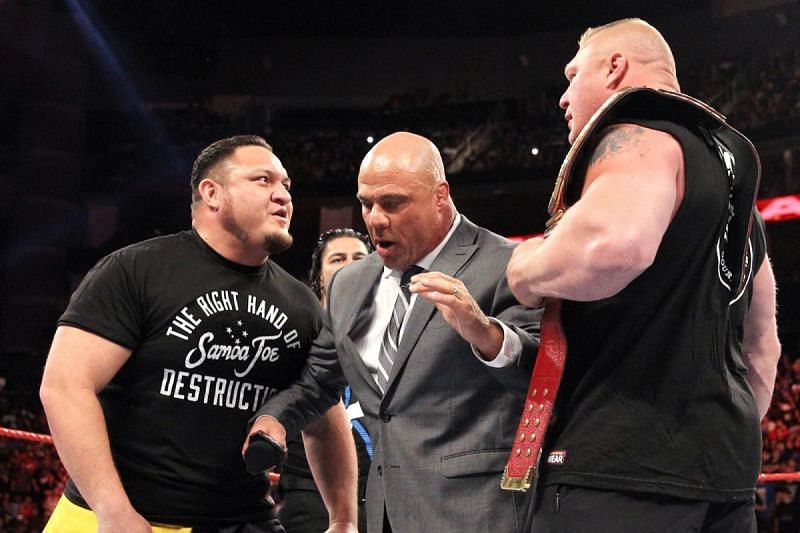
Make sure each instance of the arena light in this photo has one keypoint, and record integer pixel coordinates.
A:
(123, 87)
(780, 208)
(535, 151)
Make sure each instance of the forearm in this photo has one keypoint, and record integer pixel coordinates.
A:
(761, 348)
(319, 387)
(761, 376)
(79, 433)
(575, 268)
(332, 457)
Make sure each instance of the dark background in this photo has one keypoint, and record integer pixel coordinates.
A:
(104, 105)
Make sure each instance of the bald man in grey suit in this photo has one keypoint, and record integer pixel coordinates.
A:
(441, 396)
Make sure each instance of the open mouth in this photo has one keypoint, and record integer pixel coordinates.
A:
(384, 247)
(281, 213)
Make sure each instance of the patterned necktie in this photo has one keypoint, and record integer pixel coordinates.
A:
(391, 337)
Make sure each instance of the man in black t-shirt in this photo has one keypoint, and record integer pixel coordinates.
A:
(169, 346)
(656, 421)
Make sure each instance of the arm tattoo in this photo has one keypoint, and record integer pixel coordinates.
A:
(614, 141)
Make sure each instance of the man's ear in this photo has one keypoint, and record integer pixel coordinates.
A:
(442, 193)
(211, 192)
(617, 70)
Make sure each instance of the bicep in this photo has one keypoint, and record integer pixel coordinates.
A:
(634, 187)
(630, 193)
(81, 359)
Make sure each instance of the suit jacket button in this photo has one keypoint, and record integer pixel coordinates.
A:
(380, 470)
(385, 417)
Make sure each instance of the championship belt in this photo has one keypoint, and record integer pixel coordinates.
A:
(742, 164)
(520, 471)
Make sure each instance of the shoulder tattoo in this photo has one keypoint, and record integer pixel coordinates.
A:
(614, 140)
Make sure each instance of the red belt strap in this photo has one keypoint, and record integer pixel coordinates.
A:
(547, 371)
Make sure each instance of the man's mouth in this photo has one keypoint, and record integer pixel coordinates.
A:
(281, 213)
(383, 246)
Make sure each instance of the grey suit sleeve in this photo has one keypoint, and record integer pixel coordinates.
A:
(317, 389)
(525, 323)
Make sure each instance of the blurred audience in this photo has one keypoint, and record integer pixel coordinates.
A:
(523, 138)
(31, 475)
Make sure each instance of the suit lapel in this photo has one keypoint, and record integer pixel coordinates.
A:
(451, 260)
(361, 301)
(361, 308)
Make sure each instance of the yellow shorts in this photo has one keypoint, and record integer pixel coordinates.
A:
(70, 518)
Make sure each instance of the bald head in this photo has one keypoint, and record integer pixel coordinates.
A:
(408, 153)
(649, 56)
(405, 198)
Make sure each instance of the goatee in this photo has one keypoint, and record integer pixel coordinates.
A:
(277, 242)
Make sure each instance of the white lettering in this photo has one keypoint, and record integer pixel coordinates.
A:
(221, 392)
(230, 397)
(189, 362)
(174, 333)
(263, 353)
(218, 301)
(257, 400)
(179, 384)
(201, 301)
(215, 352)
(243, 405)
(195, 387)
(167, 381)
(209, 380)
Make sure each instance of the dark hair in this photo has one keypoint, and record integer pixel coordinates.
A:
(216, 152)
(315, 273)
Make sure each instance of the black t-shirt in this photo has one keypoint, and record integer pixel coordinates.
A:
(211, 340)
(653, 398)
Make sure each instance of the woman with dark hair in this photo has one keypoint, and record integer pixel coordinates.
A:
(303, 510)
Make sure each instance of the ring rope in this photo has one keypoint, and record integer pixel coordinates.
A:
(38, 437)
(25, 435)
(47, 439)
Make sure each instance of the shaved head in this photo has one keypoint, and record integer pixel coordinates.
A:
(625, 53)
(641, 43)
(405, 198)
(409, 152)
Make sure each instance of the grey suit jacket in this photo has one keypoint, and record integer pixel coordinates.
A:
(444, 428)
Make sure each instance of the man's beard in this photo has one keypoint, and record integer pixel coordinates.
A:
(273, 243)
(277, 242)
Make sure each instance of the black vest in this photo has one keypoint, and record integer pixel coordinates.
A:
(653, 398)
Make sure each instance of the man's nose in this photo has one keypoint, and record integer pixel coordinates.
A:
(281, 196)
(376, 217)
(563, 102)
